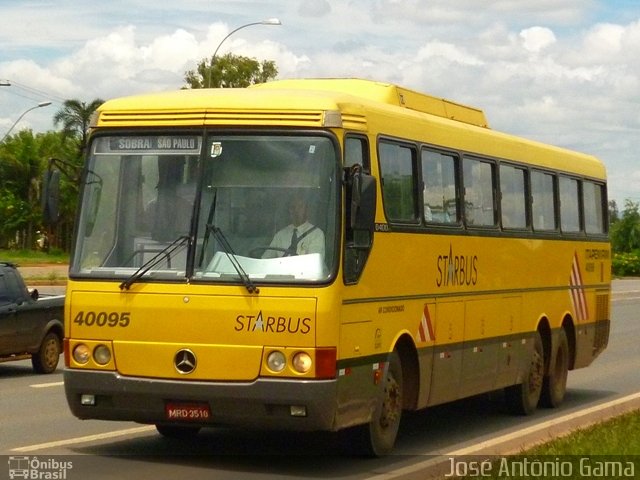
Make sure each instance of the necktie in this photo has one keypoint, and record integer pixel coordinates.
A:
(293, 248)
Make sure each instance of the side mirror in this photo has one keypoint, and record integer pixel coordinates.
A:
(360, 222)
(94, 205)
(51, 196)
(362, 201)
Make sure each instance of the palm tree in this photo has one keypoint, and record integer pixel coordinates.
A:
(74, 117)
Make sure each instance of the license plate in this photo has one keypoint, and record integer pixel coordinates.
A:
(187, 412)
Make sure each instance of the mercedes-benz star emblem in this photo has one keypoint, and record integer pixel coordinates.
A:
(185, 361)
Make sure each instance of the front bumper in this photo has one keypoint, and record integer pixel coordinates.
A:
(263, 403)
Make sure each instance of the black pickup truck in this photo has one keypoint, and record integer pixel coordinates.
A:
(30, 326)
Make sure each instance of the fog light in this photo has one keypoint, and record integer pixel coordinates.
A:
(302, 362)
(298, 410)
(81, 354)
(87, 400)
(102, 355)
(276, 361)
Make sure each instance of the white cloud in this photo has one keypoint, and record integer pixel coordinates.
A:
(314, 8)
(603, 41)
(170, 52)
(448, 52)
(536, 39)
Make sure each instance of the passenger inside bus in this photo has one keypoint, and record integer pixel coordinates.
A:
(300, 237)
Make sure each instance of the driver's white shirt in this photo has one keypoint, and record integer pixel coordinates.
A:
(311, 243)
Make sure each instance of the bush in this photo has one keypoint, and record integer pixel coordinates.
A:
(626, 264)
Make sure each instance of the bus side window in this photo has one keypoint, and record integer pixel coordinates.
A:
(398, 180)
(513, 197)
(356, 152)
(594, 210)
(544, 201)
(439, 187)
(569, 205)
(479, 190)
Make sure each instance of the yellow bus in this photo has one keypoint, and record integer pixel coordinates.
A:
(322, 254)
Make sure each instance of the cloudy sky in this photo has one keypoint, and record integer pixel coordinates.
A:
(565, 72)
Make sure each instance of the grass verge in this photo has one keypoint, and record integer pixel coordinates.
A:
(610, 450)
(33, 257)
(617, 436)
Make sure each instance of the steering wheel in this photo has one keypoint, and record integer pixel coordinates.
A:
(257, 252)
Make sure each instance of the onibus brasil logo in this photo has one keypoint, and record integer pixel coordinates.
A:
(38, 469)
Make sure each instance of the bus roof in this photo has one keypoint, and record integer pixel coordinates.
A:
(297, 94)
(389, 94)
(351, 103)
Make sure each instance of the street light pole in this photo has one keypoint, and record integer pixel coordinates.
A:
(40, 105)
(269, 21)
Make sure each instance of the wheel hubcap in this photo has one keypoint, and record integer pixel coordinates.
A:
(51, 352)
(537, 373)
(391, 404)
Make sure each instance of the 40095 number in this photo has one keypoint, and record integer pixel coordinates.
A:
(103, 319)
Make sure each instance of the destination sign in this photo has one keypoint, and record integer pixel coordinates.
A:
(149, 144)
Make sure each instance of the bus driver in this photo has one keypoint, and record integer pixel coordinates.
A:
(299, 237)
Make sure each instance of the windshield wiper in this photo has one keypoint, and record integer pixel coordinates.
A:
(167, 251)
(228, 250)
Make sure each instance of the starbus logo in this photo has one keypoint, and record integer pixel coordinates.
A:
(272, 324)
(456, 270)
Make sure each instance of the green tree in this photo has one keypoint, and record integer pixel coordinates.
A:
(614, 213)
(230, 71)
(14, 213)
(23, 159)
(625, 233)
(75, 116)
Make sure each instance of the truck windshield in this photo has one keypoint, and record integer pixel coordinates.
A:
(255, 208)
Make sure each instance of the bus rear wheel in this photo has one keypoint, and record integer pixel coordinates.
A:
(522, 399)
(555, 383)
(377, 438)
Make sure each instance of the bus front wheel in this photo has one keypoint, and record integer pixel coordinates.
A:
(377, 437)
(179, 432)
(522, 399)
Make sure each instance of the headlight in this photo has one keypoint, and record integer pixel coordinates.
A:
(302, 362)
(81, 354)
(276, 361)
(102, 355)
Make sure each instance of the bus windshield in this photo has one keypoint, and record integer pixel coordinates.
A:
(221, 208)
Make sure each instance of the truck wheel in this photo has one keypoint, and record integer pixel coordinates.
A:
(45, 360)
